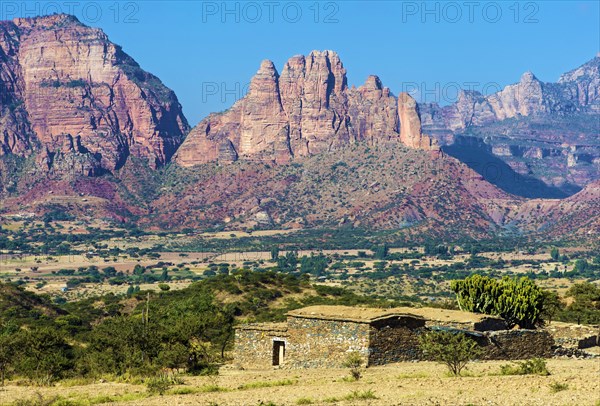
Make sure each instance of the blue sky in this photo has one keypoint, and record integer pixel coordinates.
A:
(208, 51)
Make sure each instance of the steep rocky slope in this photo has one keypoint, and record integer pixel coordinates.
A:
(541, 131)
(306, 110)
(78, 102)
(576, 217)
(386, 186)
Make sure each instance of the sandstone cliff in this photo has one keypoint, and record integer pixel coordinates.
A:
(78, 101)
(545, 131)
(306, 110)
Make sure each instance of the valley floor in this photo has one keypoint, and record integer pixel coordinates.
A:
(572, 382)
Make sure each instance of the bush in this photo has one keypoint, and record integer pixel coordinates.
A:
(534, 366)
(354, 362)
(558, 387)
(162, 383)
(454, 350)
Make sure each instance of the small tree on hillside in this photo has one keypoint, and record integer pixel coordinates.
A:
(455, 350)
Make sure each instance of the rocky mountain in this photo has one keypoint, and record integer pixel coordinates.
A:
(86, 131)
(77, 103)
(306, 110)
(543, 132)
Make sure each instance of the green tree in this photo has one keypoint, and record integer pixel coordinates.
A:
(554, 254)
(274, 253)
(552, 305)
(518, 301)
(139, 270)
(581, 265)
(44, 354)
(7, 349)
(455, 350)
(381, 251)
(585, 307)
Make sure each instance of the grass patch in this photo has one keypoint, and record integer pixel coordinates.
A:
(81, 381)
(534, 366)
(183, 391)
(304, 401)
(558, 387)
(361, 395)
(212, 388)
(267, 384)
(126, 397)
(40, 400)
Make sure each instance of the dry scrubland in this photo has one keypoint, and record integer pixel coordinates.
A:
(411, 383)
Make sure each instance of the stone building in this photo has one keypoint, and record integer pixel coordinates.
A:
(322, 336)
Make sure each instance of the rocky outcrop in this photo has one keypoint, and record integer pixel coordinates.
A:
(79, 101)
(17, 135)
(583, 84)
(410, 130)
(306, 110)
(373, 112)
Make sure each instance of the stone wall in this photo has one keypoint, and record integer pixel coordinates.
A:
(569, 335)
(515, 344)
(485, 324)
(253, 347)
(316, 343)
(395, 340)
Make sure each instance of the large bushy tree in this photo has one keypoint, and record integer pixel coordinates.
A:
(517, 300)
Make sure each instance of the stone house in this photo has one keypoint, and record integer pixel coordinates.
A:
(322, 336)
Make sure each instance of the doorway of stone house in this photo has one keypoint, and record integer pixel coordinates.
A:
(278, 352)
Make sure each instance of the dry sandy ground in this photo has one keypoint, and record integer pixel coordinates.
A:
(421, 383)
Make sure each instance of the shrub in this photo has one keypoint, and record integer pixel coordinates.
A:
(162, 383)
(558, 387)
(454, 350)
(354, 362)
(534, 366)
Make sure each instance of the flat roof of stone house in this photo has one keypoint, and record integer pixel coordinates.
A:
(274, 327)
(349, 313)
(369, 315)
(446, 315)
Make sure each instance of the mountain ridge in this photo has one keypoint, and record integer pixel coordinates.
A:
(86, 130)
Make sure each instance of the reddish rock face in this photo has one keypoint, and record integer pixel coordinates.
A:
(81, 100)
(306, 110)
(410, 130)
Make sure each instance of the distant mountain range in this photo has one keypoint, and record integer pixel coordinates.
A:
(86, 130)
(532, 138)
